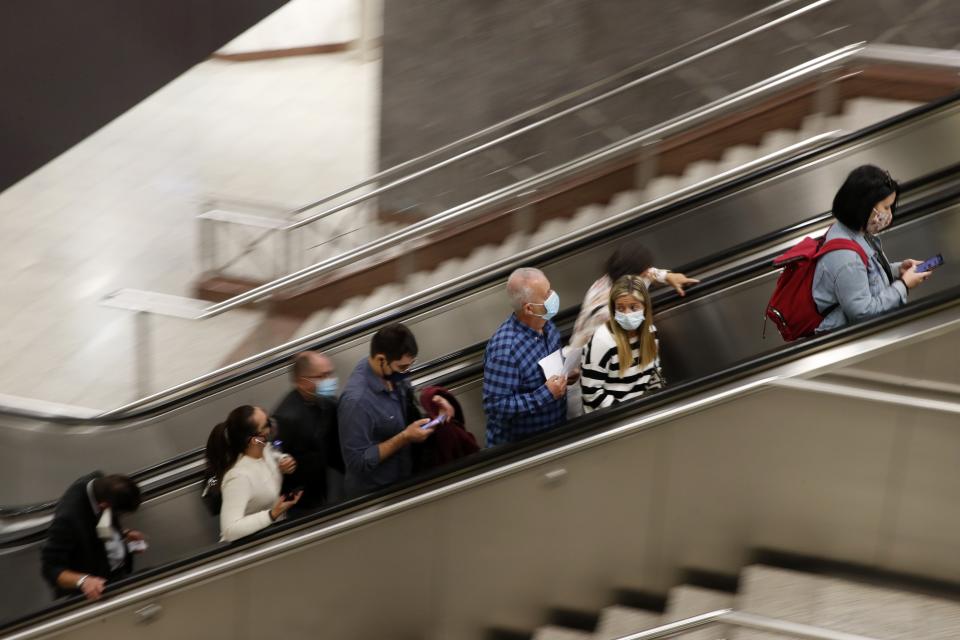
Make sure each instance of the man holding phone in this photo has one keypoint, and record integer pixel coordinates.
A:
(378, 415)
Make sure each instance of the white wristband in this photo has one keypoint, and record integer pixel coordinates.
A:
(82, 579)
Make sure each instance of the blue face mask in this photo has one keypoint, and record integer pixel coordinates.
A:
(552, 306)
(629, 321)
(326, 388)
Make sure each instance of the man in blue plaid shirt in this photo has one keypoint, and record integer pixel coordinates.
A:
(518, 400)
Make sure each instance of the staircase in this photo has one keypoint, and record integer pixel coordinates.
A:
(858, 113)
(838, 604)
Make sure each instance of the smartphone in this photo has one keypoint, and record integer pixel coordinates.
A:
(931, 264)
(436, 422)
(290, 495)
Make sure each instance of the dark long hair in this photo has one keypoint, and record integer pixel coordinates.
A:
(229, 439)
(861, 191)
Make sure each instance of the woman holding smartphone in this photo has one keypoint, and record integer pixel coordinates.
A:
(847, 289)
(249, 473)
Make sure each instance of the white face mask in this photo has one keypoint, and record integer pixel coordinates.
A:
(878, 221)
(629, 321)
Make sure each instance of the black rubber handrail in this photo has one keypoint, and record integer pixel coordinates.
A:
(584, 425)
(927, 205)
(575, 429)
(496, 275)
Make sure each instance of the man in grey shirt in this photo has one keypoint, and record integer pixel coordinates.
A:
(378, 415)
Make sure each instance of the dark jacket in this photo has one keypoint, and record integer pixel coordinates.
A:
(72, 543)
(450, 441)
(309, 433)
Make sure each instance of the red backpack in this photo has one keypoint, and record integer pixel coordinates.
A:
(791, 306)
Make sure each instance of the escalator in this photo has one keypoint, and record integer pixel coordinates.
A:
(711, 339)
(713, 218)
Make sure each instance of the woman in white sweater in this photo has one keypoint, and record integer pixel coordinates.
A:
(622, 361)
(249, 472)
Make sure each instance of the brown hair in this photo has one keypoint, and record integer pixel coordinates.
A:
(632, 286)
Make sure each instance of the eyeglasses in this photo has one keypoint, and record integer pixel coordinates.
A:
(269, 426)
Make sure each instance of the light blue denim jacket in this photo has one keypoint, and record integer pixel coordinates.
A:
(861, 293)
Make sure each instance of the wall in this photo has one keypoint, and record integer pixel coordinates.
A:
(451, 67)
(301, 23)
(68, 68)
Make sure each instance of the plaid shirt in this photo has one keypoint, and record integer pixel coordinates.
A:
(515, 397)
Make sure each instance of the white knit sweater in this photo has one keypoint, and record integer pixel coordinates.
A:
(250, 489)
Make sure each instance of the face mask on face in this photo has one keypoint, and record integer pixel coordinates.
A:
(551, 305)
(326, 388)
(393, 376)
(879, 220)
(629, 321)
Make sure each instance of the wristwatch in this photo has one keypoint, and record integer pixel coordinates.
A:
(82, 579)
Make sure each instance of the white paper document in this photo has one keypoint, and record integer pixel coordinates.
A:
(561, 362)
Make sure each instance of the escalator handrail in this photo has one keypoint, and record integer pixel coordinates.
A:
(566, 98)
(278, 356)
(508, 196)
(926, 205)
(584, 432)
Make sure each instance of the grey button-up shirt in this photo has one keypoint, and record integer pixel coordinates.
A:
(369, 414)
(859, 293)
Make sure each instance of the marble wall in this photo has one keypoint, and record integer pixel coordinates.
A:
(451, 67)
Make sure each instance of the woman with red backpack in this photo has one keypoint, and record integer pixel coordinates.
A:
(844, 277)
(847, 288)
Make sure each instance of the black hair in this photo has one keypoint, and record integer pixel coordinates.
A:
(120, 492)
(631, 258)
(394, 341)
(229, 439)
(861, 191)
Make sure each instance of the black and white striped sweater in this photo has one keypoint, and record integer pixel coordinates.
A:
(600, 378)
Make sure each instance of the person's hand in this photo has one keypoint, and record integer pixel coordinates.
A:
(132, 535)
(282, 505)
(557, 387)
(92, 588)
(678, 281)
(906, 265)
(574, 376)
(443, 406)
(287, 464)
(414, 432)
(911, 278)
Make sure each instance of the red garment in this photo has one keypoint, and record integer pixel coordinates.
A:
(451, 440)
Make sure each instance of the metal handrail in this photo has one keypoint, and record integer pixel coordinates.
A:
(332, 331)
(553, 117)
(746, 620)
(859, 52)
(509, 194)
(541, 108)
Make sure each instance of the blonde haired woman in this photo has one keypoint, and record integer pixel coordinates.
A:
(621, 361)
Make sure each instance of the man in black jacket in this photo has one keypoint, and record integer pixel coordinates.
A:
(307, 427)
(86, 545)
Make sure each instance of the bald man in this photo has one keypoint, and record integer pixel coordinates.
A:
(518, 400)
(307, 428)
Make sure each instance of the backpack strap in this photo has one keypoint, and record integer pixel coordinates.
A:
(838, 244)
